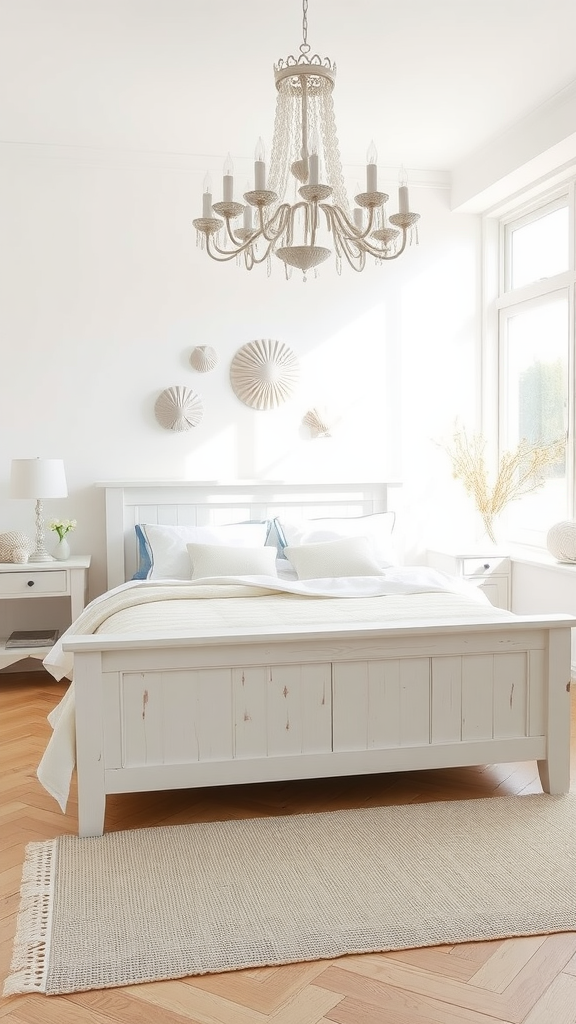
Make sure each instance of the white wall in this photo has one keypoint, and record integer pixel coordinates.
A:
(103, 295)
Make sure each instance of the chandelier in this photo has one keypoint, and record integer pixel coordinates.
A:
(304, 155)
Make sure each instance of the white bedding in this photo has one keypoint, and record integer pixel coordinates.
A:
(399, 598)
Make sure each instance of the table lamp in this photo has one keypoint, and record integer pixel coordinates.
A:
(38, 478)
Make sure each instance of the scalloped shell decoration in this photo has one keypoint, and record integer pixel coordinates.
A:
(264, 373)
(203, 358)
(317, 423)
(178, 408)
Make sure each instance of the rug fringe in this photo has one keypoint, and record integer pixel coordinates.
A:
(29, 967)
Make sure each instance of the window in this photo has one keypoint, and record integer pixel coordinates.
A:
(536, 355)
(538, 245)
(534, 374)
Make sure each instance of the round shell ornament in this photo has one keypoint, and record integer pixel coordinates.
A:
(178, 408)
(561, 541)
(203, 358)
(15, 547)
(264, 373)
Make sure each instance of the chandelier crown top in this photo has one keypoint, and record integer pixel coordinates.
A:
(305, 62)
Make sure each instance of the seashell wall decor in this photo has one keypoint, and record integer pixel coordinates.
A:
(264, 373)
(317, 422)
(178, 408)
(203, 358)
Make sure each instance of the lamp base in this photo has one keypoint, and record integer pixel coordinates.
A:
(41, 556)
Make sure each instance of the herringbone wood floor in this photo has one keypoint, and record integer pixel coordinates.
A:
(521, 981)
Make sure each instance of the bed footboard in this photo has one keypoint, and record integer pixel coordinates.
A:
(164, 713)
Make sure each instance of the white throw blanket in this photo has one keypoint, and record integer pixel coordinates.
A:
(109, 613)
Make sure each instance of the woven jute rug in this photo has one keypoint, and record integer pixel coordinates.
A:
(180, 900)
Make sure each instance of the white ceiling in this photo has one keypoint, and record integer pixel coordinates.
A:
(430, 81)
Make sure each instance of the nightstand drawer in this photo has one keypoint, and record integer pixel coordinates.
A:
(480, 566)
(33, 583)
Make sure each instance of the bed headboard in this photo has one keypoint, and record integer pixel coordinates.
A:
(189, 503)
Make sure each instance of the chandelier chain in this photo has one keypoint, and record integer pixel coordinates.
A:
(304, 46)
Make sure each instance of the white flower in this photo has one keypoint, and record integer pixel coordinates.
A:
(62, 526)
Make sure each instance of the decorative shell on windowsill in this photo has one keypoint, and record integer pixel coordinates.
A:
(203, 358)
(264, 373)
(561, 541)
(178, 408)
(317, 423)
(15, 547)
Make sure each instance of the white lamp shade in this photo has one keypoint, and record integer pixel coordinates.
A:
(38, 478)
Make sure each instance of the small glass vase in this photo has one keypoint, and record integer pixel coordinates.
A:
(62, 550)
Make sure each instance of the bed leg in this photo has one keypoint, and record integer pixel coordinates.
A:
(554, 771)
(89, 744)
(91, 817)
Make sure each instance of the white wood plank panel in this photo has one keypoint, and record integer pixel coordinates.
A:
(180, 718)
(446, 700)
(537, 672)
(298, 719)
(214, 708)
(283, 697)
(415, 701)
(111, 685)
(384, 704)
(317, 708)
(510, 696)
(446, 710)
(142, 718)
(250, 710)
(350, 705)
(477, 696)
(197, 716)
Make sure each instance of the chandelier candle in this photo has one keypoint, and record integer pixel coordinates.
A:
(228, 180)
(372, 169)
(207, 197)
(403, 206)
(319, 222)
(260, 167)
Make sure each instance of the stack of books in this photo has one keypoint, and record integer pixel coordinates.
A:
(32, 638)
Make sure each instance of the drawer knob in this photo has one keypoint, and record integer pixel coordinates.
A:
(30, 583)
(486, 565)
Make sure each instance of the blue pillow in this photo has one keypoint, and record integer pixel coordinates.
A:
(144, 555)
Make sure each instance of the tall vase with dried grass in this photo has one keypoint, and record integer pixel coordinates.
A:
(518, 472)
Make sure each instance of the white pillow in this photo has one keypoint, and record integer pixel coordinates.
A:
(349, 556)
(376, 527)
(166, 545)
(221, 560)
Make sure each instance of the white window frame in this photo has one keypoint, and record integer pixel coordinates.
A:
(499, 300)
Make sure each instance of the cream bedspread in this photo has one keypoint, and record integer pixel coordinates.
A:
(250, 604)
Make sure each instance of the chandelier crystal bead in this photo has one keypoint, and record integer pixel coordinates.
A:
(305, 154)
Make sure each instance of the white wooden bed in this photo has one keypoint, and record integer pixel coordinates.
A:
(358, 700)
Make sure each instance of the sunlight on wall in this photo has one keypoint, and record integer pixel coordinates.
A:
(439, 385)
(217, 458)
(345, 375)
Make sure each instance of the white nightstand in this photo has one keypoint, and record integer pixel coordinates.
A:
(491, 571)
(43, 580)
